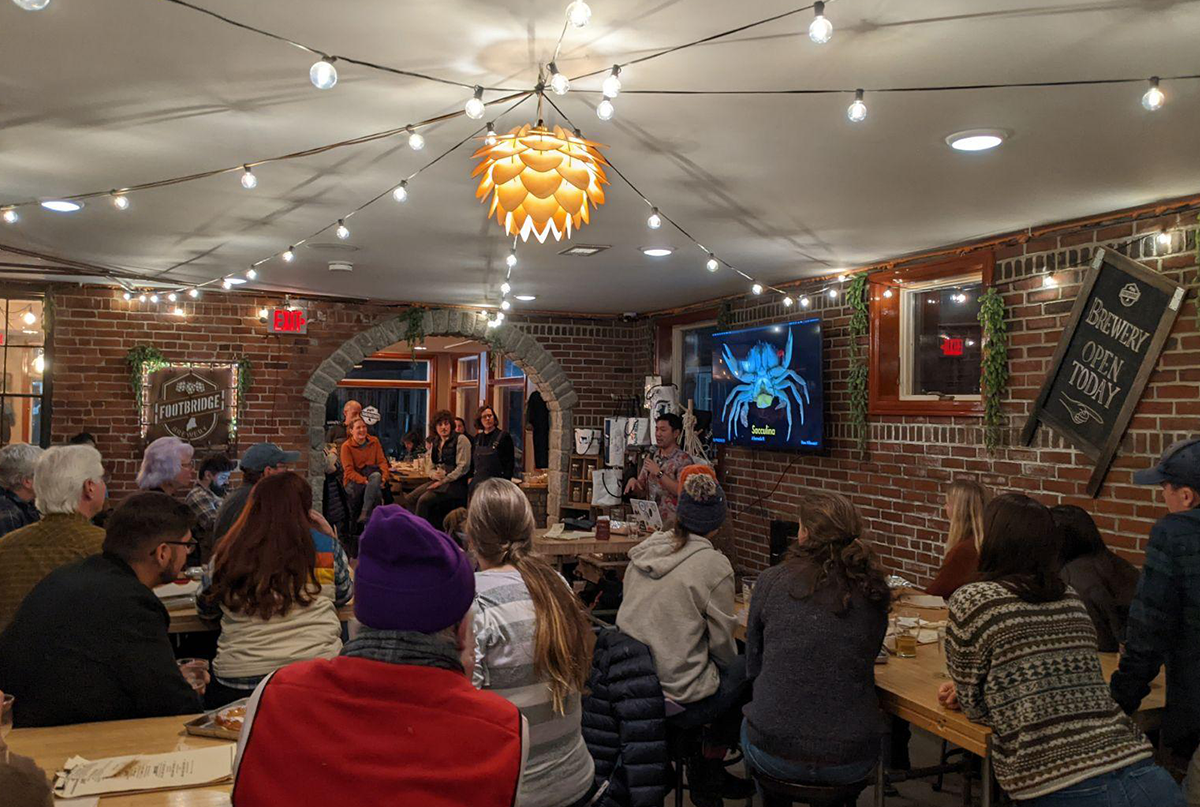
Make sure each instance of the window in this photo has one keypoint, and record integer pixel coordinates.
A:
(926, 339)
(465, 388)
(22, 412)
(399, 388)
(508, 399)
(692, 370)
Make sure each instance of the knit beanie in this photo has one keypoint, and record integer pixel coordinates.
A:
(410, 576)
(701, 506)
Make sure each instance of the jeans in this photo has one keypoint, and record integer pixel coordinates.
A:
(1142, 784)
(804, 772)
(722, 710)
(363, 498)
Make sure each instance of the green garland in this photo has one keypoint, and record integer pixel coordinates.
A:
(995, 366)
(860, 322)
(141, 359)
(414, 327)
(244, 379)
(725, 316)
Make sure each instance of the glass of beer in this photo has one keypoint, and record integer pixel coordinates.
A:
(906, 641)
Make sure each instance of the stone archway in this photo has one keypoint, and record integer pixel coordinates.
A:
(542, 369)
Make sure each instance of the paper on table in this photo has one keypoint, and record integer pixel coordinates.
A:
(82, 777)
(172, 590)
(89, 801)
(923, 601)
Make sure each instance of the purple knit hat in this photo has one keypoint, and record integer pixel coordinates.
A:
(410, 576)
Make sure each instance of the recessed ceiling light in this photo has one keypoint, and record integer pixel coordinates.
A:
(976, 139)
(657, 252)
(526, 298)
(237, 281)
(62, 205)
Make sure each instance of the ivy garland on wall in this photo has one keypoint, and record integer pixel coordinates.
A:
(994, 382)
(142, 359)
(858, 298)
(414, 327)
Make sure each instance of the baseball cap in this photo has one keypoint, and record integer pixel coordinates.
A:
(1180, 465)
(263, 455)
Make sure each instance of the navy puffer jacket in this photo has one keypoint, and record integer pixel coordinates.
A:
(624, 725)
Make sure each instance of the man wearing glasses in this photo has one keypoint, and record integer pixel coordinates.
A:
(90, 641)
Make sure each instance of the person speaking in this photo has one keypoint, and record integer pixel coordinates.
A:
(659, 477)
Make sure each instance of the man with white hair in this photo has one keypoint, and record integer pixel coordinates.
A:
(166, 466)
(68, 482)
(16, 486)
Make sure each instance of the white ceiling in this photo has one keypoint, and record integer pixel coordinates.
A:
(97, 95)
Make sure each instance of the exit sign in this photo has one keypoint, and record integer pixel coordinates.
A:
(952, 347)
(287, 320)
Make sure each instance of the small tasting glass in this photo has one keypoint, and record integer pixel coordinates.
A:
(6, 715)
(193, 671)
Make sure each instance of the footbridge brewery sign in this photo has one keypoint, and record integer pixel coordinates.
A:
(193, 403)
(1107, 352)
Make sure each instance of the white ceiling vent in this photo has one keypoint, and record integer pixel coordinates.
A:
(584, 250)
(341, 266)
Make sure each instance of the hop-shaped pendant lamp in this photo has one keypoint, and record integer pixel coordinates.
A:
(542, 182)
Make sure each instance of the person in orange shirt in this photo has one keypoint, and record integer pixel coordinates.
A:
(364, 470)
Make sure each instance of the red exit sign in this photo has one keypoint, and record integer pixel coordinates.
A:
(952, 347)
(287, 320)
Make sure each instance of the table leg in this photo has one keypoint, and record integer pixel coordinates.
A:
(985, 781)
(880, 778)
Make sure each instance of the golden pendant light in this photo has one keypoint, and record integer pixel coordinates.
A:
(541, 181)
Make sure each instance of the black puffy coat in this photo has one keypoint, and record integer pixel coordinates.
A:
(624, 725)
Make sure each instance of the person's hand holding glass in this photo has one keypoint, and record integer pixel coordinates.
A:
(195, 672)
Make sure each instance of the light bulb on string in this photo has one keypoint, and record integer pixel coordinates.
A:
(820, 30)
(787, 301)
(833, 294)
(612, 85)
(342, 231)
(142, 297)
(857, 112)
(323, 74)
(579, 13)
(605, 109)
(39, 363)
(172, 297)
(505, 288)
(490, 140)
(249, 181)
(127, 296)
(400, 194)
(713, 264)
(1164, 238)
(655, 220)
(500, 316)
(29, 317)
(475, 106)
(251, 273)
(120, 201)
(178, 312)
(416, 141)
(227, 284)
(757, 288)
(34, 5)
(505, 305)
(887, 293)
(559, 83)
(154, 298)
(511, 259)
(1154, 98)
(11, 216)
(193, 293)
(289, 255)
(805, 302)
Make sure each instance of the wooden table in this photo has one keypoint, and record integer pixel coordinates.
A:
(404, 481)
(51, 747)
(186, 620)
(585, 543)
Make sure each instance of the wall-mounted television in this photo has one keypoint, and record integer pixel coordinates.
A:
(767, 387)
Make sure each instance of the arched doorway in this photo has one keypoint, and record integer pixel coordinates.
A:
(547, 376)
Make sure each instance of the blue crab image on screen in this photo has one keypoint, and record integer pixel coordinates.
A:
(766, 386)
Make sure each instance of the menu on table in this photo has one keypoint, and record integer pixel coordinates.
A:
(178, 769)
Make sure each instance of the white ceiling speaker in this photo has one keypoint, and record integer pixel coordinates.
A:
(341, 266)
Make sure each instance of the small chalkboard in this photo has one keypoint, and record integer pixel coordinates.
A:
(1117, 330)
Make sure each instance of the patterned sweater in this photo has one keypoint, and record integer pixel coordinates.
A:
(29, 554)
(1030, 671)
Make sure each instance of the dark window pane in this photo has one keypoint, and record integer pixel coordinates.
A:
(400, 411)
(389, 370)
(468, 369)
(510, 370)
(947, 339)
(514, 417)
(697, 368)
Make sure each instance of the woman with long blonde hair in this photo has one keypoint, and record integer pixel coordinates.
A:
(533, 644)
(964, 507)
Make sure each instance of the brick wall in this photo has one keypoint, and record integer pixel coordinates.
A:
(94, 328)
(899, 484)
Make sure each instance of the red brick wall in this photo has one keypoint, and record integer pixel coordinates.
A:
(94, 329)
(899, 485)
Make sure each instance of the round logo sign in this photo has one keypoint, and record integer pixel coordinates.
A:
(1129, 294)
(370, 416)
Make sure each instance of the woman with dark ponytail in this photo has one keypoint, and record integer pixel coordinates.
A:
(816, 624)
(533, 645)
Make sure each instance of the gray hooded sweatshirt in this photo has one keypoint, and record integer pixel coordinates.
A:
(680, 604)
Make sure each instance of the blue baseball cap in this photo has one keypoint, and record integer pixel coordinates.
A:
(1180, 465)
(265, 455)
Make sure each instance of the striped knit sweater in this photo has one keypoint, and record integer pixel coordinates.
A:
(1030, 671)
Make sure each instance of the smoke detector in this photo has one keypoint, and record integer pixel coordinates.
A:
(341, 266)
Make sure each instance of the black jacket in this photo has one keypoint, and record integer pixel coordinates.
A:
(624, 725)
(1106, 583)
(90, 643)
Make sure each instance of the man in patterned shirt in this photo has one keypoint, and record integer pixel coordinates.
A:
(204, 500)
(659, 478)
(16, 486)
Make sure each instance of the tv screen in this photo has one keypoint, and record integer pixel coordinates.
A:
(767, 387)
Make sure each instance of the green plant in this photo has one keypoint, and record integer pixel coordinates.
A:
(414, 327)
(860, 322)
(725, 316)
(994, 381)
(244, 379)
(142, 359)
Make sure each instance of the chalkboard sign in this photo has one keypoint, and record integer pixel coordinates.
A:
(1117, 329)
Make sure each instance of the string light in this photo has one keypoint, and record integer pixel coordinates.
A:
(193, 293)
(227, 284)
(400, 194)
(787, 301)
(490, 140)
(38, 5)
(505, 305)
(712, 265)
(1049, 282)
(511, 259)
(178, 311)
(172, 297)
(120, 201)
(323, 74)
(342, 231)
(251, 273)
(857, 112)
(1164, 238)
(805, 302)
(833, 294)
(820, 29)
(154, 298)
(757, 288)
(416, 141)
(612, 85)
(11, 216)
(29, 317)
(500, 316)
(887, 293)
(289, 255)
(655, 220)
(505, 288)
(127, 296)
(605, 109)
(142, 297)
(475, 106)
(249, 181)
(559, 83)
(579, 13)
(1154, 98)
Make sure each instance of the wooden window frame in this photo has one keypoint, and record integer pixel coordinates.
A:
(885, 343)
(664, 342)
(375, 383)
